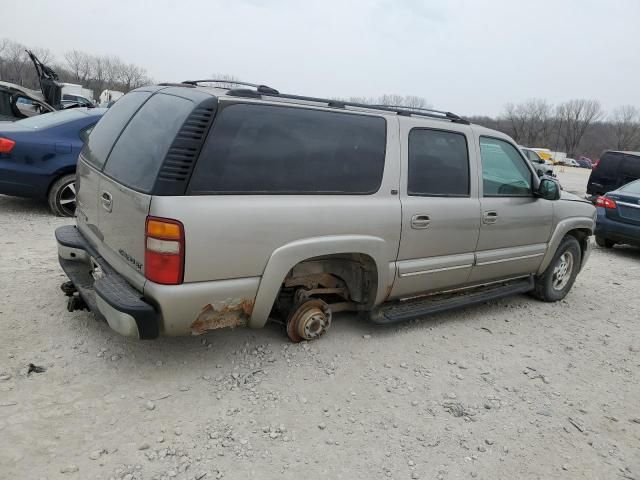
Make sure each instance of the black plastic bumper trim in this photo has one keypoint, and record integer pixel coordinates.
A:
(112, 287)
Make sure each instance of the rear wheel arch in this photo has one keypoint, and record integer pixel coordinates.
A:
(338, 256)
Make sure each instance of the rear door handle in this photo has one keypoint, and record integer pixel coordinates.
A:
(107, 201)
(489, 217)
(419, 222)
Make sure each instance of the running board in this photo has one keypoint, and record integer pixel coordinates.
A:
(423, 306)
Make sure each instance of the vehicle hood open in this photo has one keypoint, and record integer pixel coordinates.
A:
(50, 87)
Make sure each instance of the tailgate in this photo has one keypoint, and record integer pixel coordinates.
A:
(126, 183)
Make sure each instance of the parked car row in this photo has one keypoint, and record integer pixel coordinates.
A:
(17, 102)
(614, 188)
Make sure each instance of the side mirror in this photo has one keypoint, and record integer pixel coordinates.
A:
(548, 189)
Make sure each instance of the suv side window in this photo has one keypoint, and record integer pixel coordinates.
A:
(438, 163)
(259, 149)
(138, 154)
(504, 171)
(107, 130)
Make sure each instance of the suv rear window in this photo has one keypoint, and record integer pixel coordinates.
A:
(140, 150)
(255, 149)
(109, 127)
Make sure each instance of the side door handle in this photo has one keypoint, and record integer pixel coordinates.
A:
(107, 201)
(489, 217)
(421, 221)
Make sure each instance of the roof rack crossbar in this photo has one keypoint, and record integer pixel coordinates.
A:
(398, 109)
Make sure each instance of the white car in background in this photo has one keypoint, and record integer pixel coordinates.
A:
(571, 162)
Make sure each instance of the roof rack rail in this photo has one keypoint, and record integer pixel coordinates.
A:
(449, 115)
(260, 88)
(335, 103)
(400, 110)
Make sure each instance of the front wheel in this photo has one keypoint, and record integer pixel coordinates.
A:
(62, 196)
(558, 278)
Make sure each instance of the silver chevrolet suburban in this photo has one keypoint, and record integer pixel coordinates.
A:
(202, 207)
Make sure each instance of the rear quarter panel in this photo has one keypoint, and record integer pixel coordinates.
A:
(235, 236)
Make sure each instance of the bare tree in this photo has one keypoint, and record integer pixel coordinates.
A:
(79, 64)
(18, 61)
(625, 121)
(133, 76)
(530, 123)
(414, 101)
(515, 122)
(227, 80)
(574, 119)
(390, 99)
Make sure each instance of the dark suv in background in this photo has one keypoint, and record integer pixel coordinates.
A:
(614, 169)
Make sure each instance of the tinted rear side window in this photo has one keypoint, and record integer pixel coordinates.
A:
(438, 163)
(140, 150)
(272, 149)
(631, 166)
(109, 127)
(609, 164)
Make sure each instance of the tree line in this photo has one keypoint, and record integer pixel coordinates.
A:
(577, 127)
(97, 72)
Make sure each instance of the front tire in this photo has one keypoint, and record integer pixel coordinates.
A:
(62, 196)
(558, 278)
(604, 242)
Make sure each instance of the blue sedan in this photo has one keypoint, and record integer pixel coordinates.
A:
(619, 216)
(38, 156)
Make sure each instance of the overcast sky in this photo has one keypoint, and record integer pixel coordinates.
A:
(467, 56)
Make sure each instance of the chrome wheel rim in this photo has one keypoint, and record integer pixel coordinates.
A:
(562, 271)
(67, 199)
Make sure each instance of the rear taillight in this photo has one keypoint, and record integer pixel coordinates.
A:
(605, 202)
(164, 251)
(6, 145)
(595, 164)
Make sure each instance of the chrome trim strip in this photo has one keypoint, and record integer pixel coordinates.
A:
(435, 270)
(632, 205)
(521, 257)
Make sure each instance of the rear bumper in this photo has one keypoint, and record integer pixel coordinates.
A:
(108, 295)
(616, 231)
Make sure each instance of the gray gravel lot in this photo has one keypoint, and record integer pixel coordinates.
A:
(511, 389)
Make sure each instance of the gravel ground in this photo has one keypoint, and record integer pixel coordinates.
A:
(511, 389)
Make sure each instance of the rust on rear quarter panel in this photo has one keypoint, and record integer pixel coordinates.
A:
(234, 313)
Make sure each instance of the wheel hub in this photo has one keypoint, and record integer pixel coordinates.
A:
(562, 271)
(68, 199)
(309, 321)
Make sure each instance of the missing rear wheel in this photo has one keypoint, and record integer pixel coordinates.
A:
(308, 320)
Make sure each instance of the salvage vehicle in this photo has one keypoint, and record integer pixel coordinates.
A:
(202, 207)
(542, 167)
(38, 156)
(18, 102)
(619, 216)
(613, 170)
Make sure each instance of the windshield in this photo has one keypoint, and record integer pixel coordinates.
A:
(51, 119)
